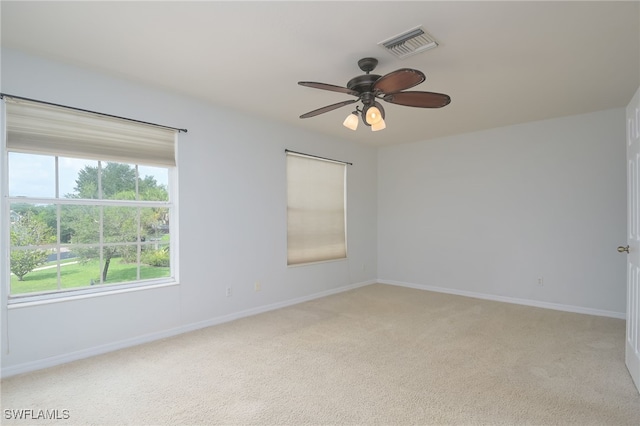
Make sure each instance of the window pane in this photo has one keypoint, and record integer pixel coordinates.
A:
(155, 261)
(27, 273)
(154, 223)
(32, 234)
(120, 224)
(119, 264)
(118, 181)
(78, 178)
(80, 266)
(32, 175)
(43, 277)
(32, 224)
(79, 224)
(153, 184)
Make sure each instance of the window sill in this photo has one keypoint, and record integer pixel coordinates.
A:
(26, 301)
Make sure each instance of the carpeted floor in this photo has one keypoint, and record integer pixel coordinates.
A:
(375, 355)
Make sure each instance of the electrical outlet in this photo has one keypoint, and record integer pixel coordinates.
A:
(257, 286)
(540, 281)
(228, 291)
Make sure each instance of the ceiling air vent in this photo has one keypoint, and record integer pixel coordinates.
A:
(409, 43)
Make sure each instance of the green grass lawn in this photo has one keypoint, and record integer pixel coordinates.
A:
(74, 275)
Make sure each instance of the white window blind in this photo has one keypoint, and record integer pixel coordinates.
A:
(35, 127)
(316, 208)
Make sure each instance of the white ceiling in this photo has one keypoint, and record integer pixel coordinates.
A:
(501, 62)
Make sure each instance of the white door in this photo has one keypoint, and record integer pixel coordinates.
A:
(632, 351)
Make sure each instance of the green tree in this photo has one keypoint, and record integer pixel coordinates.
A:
(116, 177)
(29, 230)
(120, 224)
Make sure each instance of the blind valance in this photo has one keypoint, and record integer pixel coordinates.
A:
(40, 128)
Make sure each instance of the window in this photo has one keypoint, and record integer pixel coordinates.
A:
(316, 209)
(90, 205)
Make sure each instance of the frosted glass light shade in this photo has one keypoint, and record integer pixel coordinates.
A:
(351, 122)
(373, 115)
(378, 126)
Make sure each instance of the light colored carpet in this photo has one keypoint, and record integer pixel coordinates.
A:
(375, 355)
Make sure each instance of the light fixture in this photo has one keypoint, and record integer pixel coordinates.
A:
(372, 115)
(351, 122)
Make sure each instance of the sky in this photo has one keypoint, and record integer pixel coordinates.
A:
(34, 175)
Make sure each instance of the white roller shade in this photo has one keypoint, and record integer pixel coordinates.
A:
(315, 210)
(38, 128)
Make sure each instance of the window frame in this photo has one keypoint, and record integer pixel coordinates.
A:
(26, 299)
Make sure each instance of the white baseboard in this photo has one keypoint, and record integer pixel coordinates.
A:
(271, 307)
(122, 344)
(517, 301)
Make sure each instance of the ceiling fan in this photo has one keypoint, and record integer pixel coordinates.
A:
(370, 87)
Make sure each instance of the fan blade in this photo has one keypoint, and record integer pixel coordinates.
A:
(419, 99)
(327, 108)
(331, 87)
(402, 79)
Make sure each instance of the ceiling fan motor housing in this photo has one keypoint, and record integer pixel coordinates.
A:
(363, 83)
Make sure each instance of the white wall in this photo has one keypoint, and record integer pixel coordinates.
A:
(488, 213)
(232, 195)
(484, 214)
